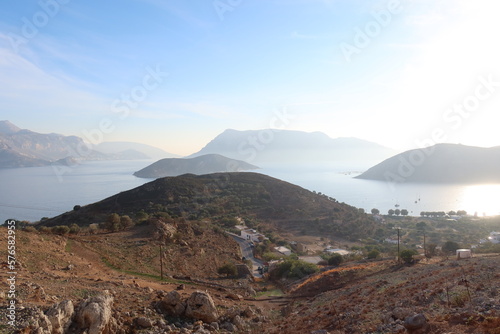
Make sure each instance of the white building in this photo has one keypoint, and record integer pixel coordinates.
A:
(252, 235)
(463, 254)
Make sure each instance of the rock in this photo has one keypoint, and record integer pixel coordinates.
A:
(172, 304)
(214, 326)
(60, 316)
(181, 287)
(94, 314)
(238, 322)
(70, 267)
(415, 323)
(401, 313)
(143, 322)
(234, 296)
(200, 305)
(41, 323)
(228, 327)
(320, 331)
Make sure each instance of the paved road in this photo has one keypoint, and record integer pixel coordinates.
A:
(247, 252)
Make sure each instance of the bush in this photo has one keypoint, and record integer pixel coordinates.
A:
(450, 247)
(30, 229)
(229, 269)
(61, 230)
(335, 260)
(295, 269)
(74, 229)
(373, 254)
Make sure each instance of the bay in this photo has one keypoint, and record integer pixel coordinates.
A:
(33, 193)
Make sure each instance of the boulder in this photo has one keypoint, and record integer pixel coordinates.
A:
(143, 322)
(416, 323)
(60, 316)
(172, 304)
(94, 314)
(201, 306)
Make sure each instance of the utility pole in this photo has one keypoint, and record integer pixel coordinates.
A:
(399, 258)
(161, 262)
(425, 249)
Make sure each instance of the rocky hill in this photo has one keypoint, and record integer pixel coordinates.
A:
(272, 201)
(442, 163)
(285, 146)
(205, 164)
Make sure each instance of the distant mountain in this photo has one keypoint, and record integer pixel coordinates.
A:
(8, 128)
(285, 146)
(25, 148)
(442, 163)
(121, 149)
(205, 164)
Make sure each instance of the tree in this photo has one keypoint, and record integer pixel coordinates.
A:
(404, 212)
(126, 222)
(77, 207)
(390, 212)
(229, 269)
(430, 250)
(335, 259)
(450, 247)
(74, 229)
(397, 212)
(375, 211)
(407, 255)
(421, 226)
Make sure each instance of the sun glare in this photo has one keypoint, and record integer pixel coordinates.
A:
(482, 199)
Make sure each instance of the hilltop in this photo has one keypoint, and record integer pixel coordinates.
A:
(442, 163)
(273, 202)
(205, 164)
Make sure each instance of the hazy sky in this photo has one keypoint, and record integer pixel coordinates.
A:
(175, 73)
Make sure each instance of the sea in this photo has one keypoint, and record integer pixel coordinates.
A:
(33, 193)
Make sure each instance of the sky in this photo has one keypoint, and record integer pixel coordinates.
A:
(174, 73)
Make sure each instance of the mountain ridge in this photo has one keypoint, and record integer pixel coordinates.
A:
(284, 146)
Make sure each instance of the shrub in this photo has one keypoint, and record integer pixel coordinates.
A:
(61, 230)
(335, 260)
(74, 229)
(373, 254)
(229, 269)
(450, 247)
(295, 269)
(29, 229)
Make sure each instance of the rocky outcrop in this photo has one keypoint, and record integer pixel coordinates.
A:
(60, 316)
(201, 306)
(94, 314)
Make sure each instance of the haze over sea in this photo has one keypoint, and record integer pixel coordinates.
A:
(33, 193)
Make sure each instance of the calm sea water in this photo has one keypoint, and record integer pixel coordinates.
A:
(33, 193)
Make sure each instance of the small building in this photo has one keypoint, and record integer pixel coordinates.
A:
(464, 254)
(283, 250)
(252, 235)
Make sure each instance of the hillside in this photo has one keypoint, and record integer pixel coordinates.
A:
(377, 297)
(446, 163)
(205, 164)
(285, 146)
(271, 201)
